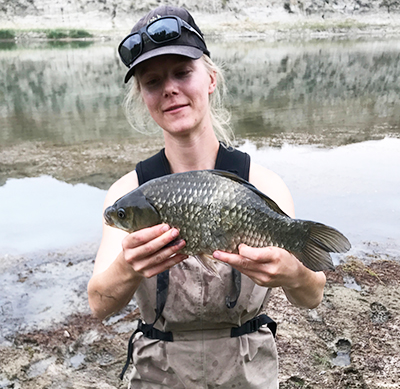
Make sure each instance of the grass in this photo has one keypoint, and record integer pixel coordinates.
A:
(7, 34)
(51, 34)
(323, 361)
(331, 25)
(56, 34)
(67, 34)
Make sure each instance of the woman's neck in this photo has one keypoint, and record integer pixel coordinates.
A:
(191, 153)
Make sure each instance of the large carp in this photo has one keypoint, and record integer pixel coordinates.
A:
(217, 210)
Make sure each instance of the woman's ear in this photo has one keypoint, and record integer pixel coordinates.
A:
(213, 82)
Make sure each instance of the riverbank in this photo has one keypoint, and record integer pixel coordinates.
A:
(349, 341)
(271, 19)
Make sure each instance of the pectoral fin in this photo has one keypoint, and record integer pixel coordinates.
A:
(208, 262)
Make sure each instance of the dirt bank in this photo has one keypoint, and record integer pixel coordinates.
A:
(94, 163)
(350, 341)
(268, 18)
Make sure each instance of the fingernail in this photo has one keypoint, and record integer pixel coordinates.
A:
(165, 228)
(174, 233)
(216, 255)
(179, 242)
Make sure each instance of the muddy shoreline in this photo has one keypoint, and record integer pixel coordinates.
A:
(349, 341)
(95, 163)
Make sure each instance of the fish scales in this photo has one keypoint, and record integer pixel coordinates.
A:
(216, 210)
(216, 205)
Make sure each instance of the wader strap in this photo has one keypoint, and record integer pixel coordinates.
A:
(228, 159)
(148, 329)
(253, 325)
(153, 167)
(231, 300)
(236, 162)
(130, 353)
(162, 292)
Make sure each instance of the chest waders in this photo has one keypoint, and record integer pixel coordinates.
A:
(230, 160)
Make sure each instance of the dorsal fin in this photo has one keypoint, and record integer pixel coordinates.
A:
(271, 203)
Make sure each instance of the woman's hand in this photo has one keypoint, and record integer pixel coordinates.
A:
(267, 266)
(274, 267)
(144, 254)
(149, 251)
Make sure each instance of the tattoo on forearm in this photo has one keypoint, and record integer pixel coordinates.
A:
(104, 296)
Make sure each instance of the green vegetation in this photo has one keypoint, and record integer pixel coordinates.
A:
(56, 34)
(67, 34)
(76, 34)
(53, 34)
(7, 34)
(331, 25)
(323, 361)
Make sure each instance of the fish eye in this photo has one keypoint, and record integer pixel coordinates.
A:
(121, 213)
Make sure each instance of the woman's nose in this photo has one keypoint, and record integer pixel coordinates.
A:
(170, 86)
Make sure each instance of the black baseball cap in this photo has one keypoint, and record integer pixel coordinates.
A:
(189, 44)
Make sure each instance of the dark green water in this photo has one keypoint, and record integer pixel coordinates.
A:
(330, 92)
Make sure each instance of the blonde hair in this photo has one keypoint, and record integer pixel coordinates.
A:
(140, 120)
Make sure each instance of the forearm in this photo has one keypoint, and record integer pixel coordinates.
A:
(308, 293)
(112, 289)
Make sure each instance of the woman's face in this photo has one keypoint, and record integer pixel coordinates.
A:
(176, 92)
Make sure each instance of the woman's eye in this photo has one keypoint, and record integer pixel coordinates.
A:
(151, 82)
(182, 73)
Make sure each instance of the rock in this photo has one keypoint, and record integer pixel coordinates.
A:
(379, 313)
(40, 367)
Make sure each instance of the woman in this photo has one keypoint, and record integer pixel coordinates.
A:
(199, 340)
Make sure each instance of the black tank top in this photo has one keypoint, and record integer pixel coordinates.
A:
(228, 159)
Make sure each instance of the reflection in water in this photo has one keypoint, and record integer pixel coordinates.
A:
(339, 89)
(335, 92)
(8, 45)
(45, 214)
(61, 95)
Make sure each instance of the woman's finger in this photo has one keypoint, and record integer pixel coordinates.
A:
(146, 235)
(235, 260)
(132, 248)
(166, 264)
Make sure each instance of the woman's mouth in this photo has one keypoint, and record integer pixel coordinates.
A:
(175, 108)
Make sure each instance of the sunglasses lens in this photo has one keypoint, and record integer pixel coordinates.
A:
(164, 30)
(130, 49)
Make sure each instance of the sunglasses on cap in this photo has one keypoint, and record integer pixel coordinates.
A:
(162, 30)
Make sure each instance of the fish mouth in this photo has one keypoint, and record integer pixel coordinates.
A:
(107, 217)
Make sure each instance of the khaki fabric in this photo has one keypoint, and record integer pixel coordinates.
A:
(203, 355)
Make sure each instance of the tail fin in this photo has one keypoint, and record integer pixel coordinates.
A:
(322, 240)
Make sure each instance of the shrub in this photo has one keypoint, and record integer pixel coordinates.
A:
(7, 34)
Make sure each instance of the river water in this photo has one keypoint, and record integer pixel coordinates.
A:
(323, 114)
